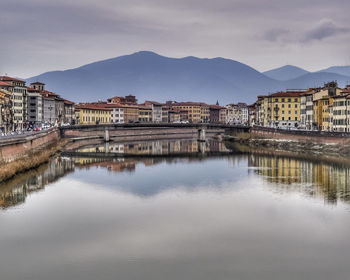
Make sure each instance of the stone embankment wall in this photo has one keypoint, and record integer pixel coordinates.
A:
(320, 137)
(21, 145)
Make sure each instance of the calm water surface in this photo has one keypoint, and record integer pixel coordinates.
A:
(232, 216)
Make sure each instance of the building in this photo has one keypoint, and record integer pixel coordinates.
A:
(165, 113)
(193, 112)
(48, 107)
(252, 114)
(322, 99)
(93, 113)
(157, 111)
(131, 113)
(339, 112)
(18, 91)
(117, 113)
(306, 110)
(35, 106)
(145, 113)
(217, 114)
(127, 100)
(6, 112)
(237, 114)
(69, 114)
(285, 109)
(174, 116)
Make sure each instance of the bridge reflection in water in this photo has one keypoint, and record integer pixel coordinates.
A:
(284, 174)
(177, 147)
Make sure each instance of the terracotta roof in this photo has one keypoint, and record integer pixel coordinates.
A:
(37, 83)
(152, 102)
(4, 84)
(189, 103)
(287, 94)
(48, 93)
(10, 79)
(29, 89)
(216, 107)
(68, 102)
(92, 106)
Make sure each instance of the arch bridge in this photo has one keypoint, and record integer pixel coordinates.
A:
(143, 131)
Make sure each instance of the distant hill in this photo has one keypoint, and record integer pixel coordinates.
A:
(341, 70)
(285, 73)
(150, 76)
(316, 79)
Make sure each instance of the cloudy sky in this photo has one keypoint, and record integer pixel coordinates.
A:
(43, 35)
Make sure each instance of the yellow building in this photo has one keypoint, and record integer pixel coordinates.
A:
(323, 100)
(145, 114)
(93, 113)
(197, 112)
(282, 109)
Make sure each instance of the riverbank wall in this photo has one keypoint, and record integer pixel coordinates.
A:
(320, 137)
(22, 145)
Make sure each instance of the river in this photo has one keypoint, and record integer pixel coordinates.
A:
(176, 209)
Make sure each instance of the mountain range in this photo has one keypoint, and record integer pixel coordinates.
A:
(150, 76)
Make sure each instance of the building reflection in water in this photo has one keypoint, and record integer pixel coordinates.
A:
(328, 181)
(15, 191)
(161, 147)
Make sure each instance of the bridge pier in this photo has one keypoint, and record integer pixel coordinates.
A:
(107, 138)
(201, 147)
(201, 134)
(107, 147)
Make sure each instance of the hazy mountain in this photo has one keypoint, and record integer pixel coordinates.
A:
(285, 73)
(316, 79)
(341, 70)
(151, 76)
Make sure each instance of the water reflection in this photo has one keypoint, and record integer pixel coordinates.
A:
(330, 182)
(316, 179)
(155, 218)
(159, 147)
(15, 191)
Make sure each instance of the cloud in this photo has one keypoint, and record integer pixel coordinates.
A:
(276, 34)
(325, 29)
(41, 35)
(322, 30)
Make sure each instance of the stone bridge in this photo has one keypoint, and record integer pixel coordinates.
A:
(146, 131)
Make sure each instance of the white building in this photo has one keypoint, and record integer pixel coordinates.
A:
(237, 114)
(117, 114)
